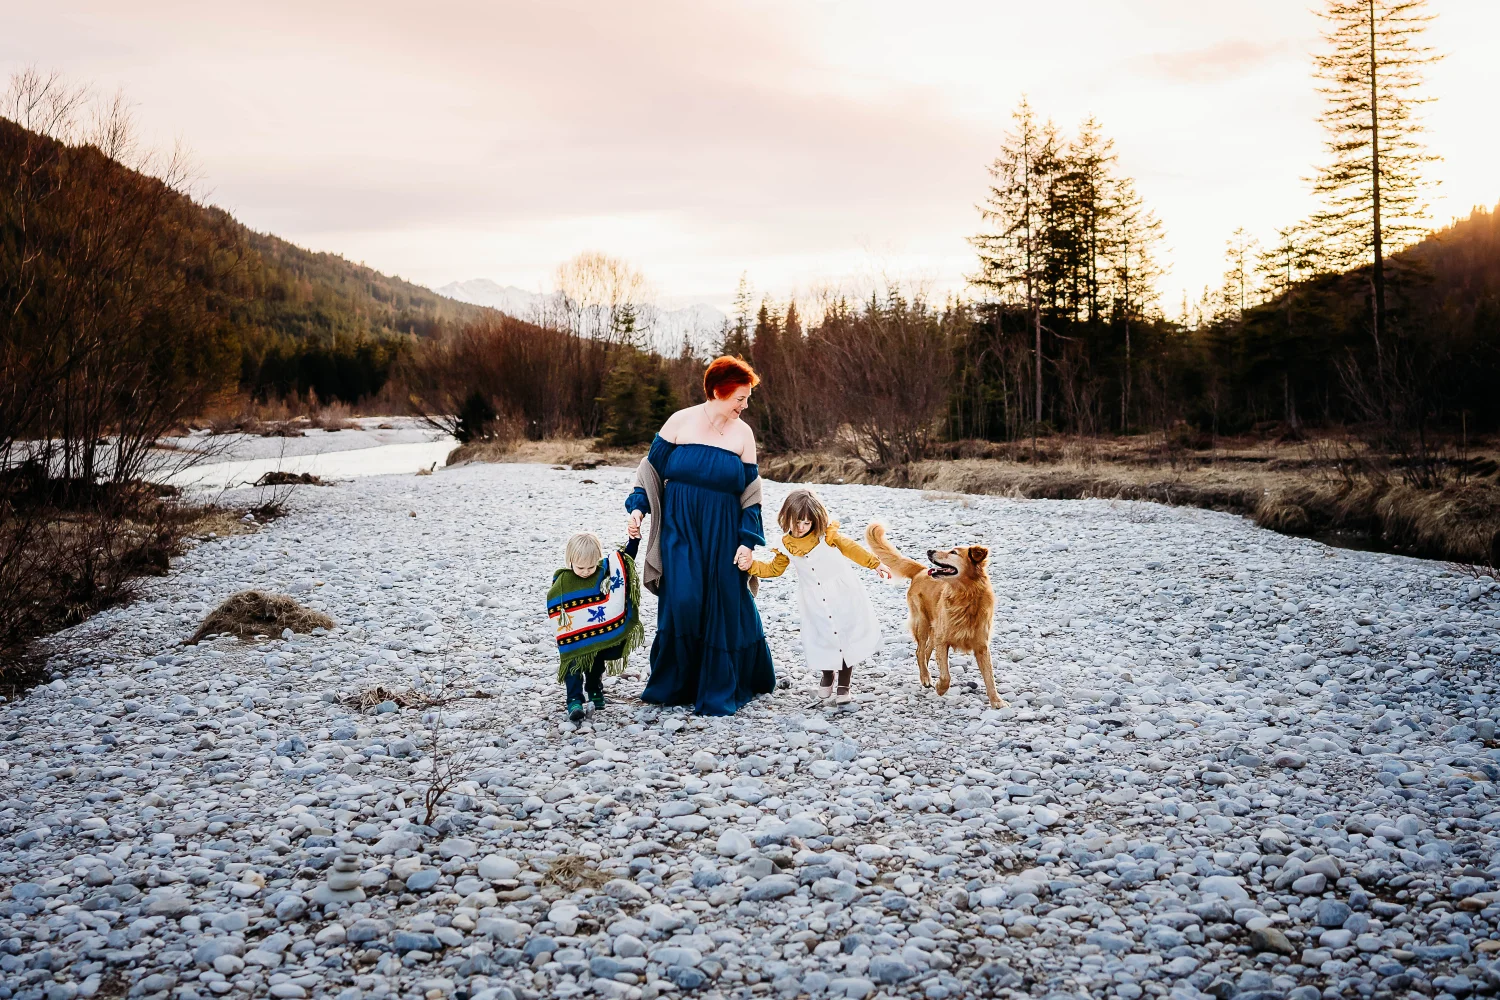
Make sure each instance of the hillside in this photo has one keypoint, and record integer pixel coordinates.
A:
(1463, 262)
(298, 320)
(1307, 356)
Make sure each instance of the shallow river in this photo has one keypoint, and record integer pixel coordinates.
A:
(389, 459)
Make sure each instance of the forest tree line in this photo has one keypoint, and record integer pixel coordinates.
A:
(114, 277)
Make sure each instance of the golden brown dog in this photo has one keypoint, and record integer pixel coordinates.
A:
(952, 605)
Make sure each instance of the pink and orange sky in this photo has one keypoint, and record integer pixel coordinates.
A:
(803, 143)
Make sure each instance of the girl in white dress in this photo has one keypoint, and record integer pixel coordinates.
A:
(839, 630)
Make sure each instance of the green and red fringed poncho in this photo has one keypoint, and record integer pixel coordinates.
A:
(598, 613)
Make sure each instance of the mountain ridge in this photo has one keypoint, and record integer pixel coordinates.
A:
(701, 324)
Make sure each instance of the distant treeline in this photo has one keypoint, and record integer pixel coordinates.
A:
(1070, 341)
(1302, 357)
(893, 377)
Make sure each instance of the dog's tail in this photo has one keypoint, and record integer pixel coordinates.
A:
(899, 564)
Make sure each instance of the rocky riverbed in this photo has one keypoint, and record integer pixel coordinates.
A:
(1233, 763)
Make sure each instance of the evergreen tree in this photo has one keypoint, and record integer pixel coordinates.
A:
(791, 326)
(1239, 277)
(1087, 216)
(735, 340)
(1372, 184)
(623, 326)
(1013, 257)
(766, 357)
(1135, 270)
(632, 398)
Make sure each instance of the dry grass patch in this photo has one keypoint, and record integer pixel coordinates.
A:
(278, 478)
(572, 872)
(60, 563)
(406, 698)
(572, 453)
(217, 522)
(253, 612)
(380, 694)
(1291, 489)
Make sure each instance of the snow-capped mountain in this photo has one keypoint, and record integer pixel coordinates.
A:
(700, 323)
(509, 299)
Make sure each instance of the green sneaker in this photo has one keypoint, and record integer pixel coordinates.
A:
(575, 711)
(598, 699)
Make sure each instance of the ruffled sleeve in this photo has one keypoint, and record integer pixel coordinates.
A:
(661, 449)
(752, 530)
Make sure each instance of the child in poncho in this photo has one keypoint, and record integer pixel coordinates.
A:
(595, 605)
(839, 629)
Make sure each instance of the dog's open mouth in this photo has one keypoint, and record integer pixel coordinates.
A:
(941, 569)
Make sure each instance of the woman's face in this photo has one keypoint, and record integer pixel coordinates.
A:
(803, 527)
(736, 401)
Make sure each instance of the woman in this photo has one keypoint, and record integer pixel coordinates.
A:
(701, 486)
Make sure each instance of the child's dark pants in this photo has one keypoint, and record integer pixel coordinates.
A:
(589, 681)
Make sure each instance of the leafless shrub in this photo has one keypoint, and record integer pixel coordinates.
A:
(887, 369)
(106, 341)
(450, 765)
(502, 378)
(60, 564)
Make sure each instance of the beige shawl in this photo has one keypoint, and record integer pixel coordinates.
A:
(647, 479)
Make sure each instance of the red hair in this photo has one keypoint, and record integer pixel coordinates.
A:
(726, 374)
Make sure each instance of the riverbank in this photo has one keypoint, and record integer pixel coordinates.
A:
(1232, 761)
(1321, 489)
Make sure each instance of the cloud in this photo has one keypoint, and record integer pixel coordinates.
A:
(475, 138)
(1216, 63)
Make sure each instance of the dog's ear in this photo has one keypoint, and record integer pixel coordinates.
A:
(978, 553)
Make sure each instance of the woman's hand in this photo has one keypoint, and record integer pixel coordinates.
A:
(633, 529)
(884, 572)
(743, 557)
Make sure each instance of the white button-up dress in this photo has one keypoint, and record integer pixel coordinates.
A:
(838, 622)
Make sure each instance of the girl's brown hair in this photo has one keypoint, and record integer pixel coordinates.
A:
(803, 505)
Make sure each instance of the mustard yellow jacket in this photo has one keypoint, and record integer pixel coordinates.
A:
(802, 546)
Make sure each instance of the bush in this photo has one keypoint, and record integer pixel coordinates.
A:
(637, 399)
(476, 418)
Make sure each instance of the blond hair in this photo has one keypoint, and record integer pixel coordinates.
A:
(803, 505)
(584, 548)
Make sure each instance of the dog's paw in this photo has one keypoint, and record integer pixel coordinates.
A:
(942, 687)
(999, 703)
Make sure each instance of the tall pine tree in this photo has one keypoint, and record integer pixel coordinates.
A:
(1372, 184)
(1013, 256)
(1133, 244)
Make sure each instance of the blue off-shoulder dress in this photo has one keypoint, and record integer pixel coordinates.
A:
(710, 649)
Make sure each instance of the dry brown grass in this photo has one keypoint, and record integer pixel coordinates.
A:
(406, 698)
(1459, 522)
(290, 416)
(573, 453)
(1325, 489)
(61, 563)
(252, 613)
(276, 477)
(379, 694)
(217, 522)
(572, 872)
